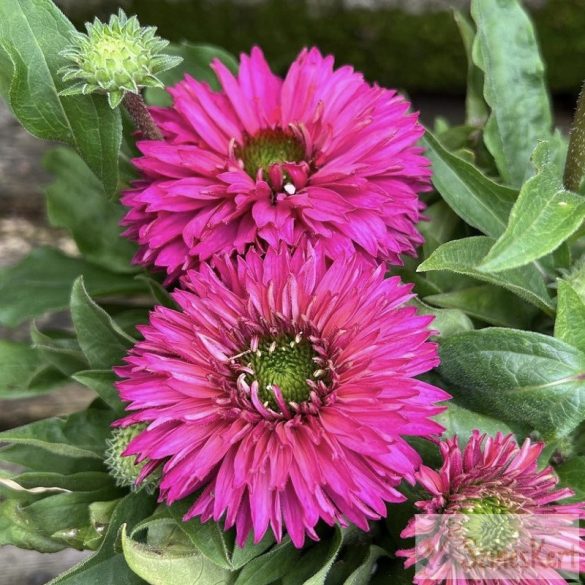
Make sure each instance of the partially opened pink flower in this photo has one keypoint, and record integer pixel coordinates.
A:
(282, 393)
(321, 155)
(493, 516)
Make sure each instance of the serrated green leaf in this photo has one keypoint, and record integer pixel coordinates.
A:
(570, 321)
(476, 110)
(24, 372)
(271, 566)
(164, 566)
(463, 256)
(363, 574)
(79, 435)
(196, 61)
(102, 383)
(242, 556)
(107, 566)
(542, 218)
(505, 49)
(32, 34)
(101, 340)
(76, 201)
(208, 538)
(519, 377)
(42, 282)
(479, 201)
(488, 303)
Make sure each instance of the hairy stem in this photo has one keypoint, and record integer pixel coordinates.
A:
(139, 113)
(575, 165)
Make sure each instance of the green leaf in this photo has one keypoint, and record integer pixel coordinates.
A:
(570, 321)
(102, 383)
(24, 371)
(208, 538)
(447, 321)
(168, 565)
(477, 200)
(363, 574)
(107, 566)
(463, 256)
(269, 567)
(42, 282)
(505, 49)
(460, 421)
(242, 556)
(476, 110)
(519, 377)
(79, 435)
(488, 303)
(196, 61)
(159, 293)
(29, 456)
(60, 350)
(542, 218)
(332, 552)
(76, 201)
(102, 341)
(32, 33)
(572, 475)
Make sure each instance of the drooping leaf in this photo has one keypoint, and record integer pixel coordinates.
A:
(42, 282)
(24, 371)
(463, 257)
(196, 61)
(32, 33)
(542, 218)
(479, 201)
(102, 341)
(506, 51)
(519, 377)
(570, 321)
(78, 435)
(489, 303)
(167, 565)
(76, 201)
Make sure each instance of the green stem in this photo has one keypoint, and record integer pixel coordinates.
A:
(575, 165)
(139, 113)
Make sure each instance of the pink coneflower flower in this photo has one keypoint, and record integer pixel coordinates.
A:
(321, 155)
(493, 515)
(283, 389)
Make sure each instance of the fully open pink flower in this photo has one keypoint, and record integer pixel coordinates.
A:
(494, 516)
(321, 155)
(283, 394)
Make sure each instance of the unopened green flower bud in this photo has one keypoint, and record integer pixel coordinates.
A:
(115, 58)
(125, 470)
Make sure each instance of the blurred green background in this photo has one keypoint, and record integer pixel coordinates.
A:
(410, 44)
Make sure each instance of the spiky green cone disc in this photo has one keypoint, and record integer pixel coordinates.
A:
(125, 470)
(115, 58)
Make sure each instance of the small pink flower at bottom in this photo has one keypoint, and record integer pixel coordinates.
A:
(494, 517)
(319, 155)
(282, 390)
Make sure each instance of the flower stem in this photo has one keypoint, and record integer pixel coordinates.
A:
(575, 165)
(139, 113)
